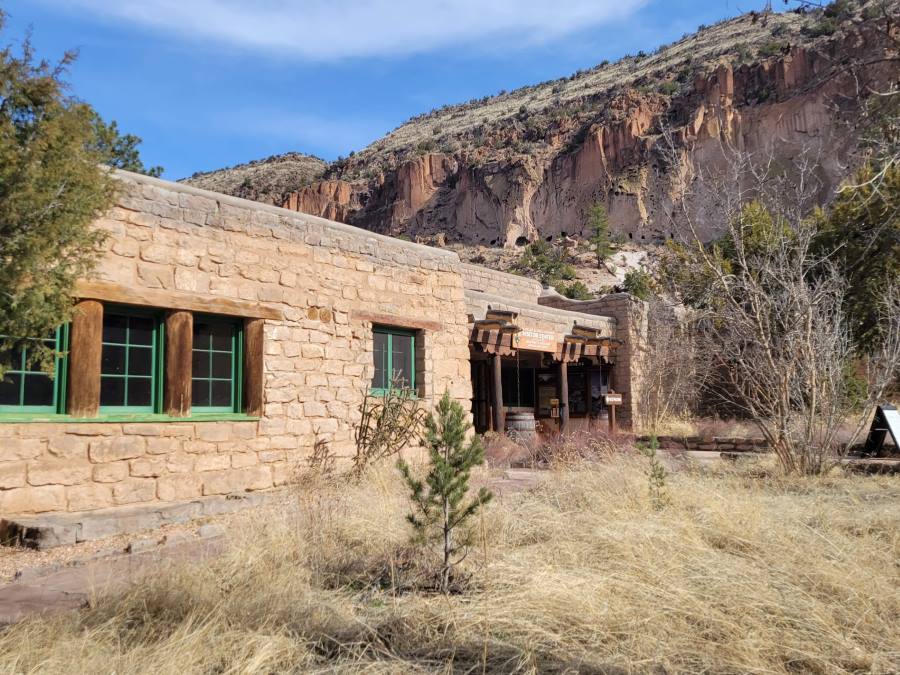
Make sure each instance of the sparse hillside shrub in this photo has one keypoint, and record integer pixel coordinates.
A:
(575, 290)
(668, 88)
(545, 262)
(771, 48)
(441, 501)
(639, 283)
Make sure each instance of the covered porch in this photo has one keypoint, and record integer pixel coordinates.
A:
(535, 370)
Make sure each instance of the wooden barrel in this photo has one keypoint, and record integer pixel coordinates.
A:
(520, 424)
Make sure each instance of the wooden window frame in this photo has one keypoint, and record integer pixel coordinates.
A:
(391, 331)
(237, 364)
(60, 363)
(157, 369)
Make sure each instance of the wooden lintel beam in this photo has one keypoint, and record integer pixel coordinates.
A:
(398, 321)
(176, 300)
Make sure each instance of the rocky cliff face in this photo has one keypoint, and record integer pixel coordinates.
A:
(632, 135)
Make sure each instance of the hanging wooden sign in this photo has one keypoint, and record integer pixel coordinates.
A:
(534, 341)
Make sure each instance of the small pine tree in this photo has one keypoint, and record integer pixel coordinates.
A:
(441, 498)
(598, 221)
(656, 474)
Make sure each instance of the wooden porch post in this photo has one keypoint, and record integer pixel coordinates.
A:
(498, 395)
(85, 350)
(254, 354)
(179, 353)
(563, 395)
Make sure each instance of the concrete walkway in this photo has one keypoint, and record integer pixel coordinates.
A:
(73, 587)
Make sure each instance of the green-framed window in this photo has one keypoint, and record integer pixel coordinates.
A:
(216, 365)
(27, 389)
(131, 361)
(395, 358)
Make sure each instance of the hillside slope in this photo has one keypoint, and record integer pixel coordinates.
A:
(268, 180)
(512, 168)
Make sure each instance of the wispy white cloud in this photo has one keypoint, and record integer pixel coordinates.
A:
(326, 30)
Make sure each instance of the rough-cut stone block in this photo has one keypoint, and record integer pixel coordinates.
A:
(214, 432)
(212, 462)
(89, 497)
(134, 490)
(178, 487)
(33, 499)
(237, 480)
(112, 449)
(58, 472)
(147, 467)
(12, 475)
(12, 449)
(111, 472)
(69, 447)
(242, 459)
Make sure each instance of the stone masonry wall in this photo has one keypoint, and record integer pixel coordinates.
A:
(318, 360)
(630, 316)
(511, 286)
(532, 316)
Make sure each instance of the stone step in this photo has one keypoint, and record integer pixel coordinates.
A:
(44, 532)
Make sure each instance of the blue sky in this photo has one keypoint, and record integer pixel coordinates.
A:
(212, 83)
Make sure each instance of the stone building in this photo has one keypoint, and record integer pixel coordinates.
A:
(219, 338)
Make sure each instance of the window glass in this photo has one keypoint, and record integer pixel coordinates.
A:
(127, 362)
(25, 387)
(403, 348)
(578, 404)
(215, 365)
(394, 354)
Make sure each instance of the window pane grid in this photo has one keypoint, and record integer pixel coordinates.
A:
(213, 381)
(394, 356)
(127, 372)
(26, 388)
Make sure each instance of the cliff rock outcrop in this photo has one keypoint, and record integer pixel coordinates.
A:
(633, 135)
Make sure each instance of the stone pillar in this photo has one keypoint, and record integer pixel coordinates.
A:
(85, 350)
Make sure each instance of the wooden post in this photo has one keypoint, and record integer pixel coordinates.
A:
(563, 395)
(85, 350)
(498, 395)
(179, 346)
(254, 353)
(612, 420)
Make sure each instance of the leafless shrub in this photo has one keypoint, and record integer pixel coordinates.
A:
(570, 449)
(674, 367)
(770, 310)
(389, 422)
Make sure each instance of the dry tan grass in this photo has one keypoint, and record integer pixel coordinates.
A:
(744, 572)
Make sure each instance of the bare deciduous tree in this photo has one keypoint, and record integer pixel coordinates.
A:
(770, 309)
(674, 367)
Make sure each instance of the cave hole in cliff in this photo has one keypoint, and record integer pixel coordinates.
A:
(521, 241)
(493, 242)
(549, 237)
(630, 235)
